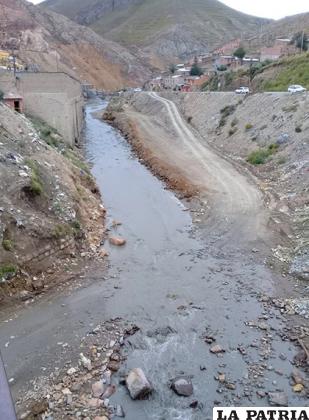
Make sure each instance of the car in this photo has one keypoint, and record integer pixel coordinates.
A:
(296, 89)
(138, 90)
(243, 90)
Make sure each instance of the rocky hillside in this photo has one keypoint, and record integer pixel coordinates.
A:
(162, 30)
(52, 42)
(282, 28)
(47, 195)
(270, 144)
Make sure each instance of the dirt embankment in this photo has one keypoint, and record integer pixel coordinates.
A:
(50, 210)
(133, 127)
(269, 130)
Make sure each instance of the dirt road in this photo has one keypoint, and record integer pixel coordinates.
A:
(236, 204)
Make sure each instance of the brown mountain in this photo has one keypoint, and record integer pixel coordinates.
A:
(52, 42)
(161, 29)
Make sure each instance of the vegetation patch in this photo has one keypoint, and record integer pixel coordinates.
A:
(248, 126)
(35, 188)
(260, 156)
(225, 113)
(47, 133)
(62, 230)
(76, 160)
(7, 271)
(7, 245)
(298, 129)
(289, 71)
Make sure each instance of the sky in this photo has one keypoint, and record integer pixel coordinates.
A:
(273, 9)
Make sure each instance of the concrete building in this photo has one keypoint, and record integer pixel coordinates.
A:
(56, 98)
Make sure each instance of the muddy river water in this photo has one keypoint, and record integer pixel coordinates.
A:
(178, 285)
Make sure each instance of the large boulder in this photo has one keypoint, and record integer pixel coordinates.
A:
(138, 385)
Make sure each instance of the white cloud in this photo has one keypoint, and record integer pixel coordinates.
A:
(274, 9)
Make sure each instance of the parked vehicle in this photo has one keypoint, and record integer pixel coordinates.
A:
(138, 90)
(242, 90)
(296, 89)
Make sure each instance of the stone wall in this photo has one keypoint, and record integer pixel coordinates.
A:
(56, 98)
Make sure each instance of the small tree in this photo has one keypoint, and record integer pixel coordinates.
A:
(195, 69)
(173, 68)
(300, 40)
(1, 95)
(240, 53)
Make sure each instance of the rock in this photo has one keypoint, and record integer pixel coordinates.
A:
(216, 349)
(66, 391)
(115, 357)
(25, 295)
(85, 362)
(106, 377)
(97, 389)
(298, 388)
(221, 377)
(113, 366)
(94, 403)
(194, 404)
(297, 377)
(279, 399)
(138, 385)
(71, 371)
(119, 411)
(110, 390)
(230, 385)
(117, 241)
(100, 418)
(182, 386)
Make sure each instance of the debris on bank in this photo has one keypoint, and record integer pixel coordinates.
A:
(84, 387)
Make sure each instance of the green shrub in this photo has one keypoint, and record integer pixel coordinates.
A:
(260, 156)
(7, 270)
(248, 126)
(189, 120)
(36, 184)
(298, 129)
(7, 244)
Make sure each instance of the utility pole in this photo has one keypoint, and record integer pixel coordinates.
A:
(302, 41)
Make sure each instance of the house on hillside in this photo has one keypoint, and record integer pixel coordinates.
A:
(228, 48)
(14, 100)
(281, 48)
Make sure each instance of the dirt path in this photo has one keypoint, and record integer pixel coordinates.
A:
(236, 204)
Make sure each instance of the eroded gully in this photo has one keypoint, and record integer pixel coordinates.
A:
(177, 285)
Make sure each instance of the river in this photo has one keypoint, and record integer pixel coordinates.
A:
(177, 285)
